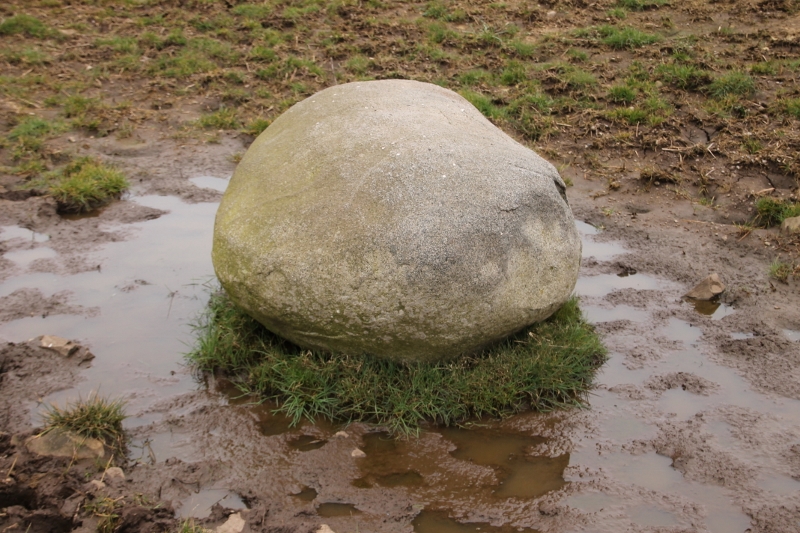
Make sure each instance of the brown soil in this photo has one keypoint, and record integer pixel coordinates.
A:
(668, 445)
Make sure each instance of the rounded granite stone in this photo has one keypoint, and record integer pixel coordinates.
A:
(391, 218)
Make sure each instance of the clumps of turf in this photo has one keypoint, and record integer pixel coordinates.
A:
(771, 212)
(85, 184)
(94, 417)
(549, 365)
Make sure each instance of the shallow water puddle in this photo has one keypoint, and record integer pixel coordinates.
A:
(141, 332)
(440, 522)
(601, 251)
(24, 258)
(307, 494)
(603, 284)
(210, 182)
(306, 443)
(8, 233)
(792, 335)
(199, 504)
(716, 310)
(328, 510)
(521, 475)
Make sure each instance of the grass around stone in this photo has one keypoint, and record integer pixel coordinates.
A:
(85, 184)
(546, 366)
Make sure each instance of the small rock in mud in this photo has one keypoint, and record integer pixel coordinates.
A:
(234, 524)
(791, 226)
(59, 345)
(357, 453)
(62, 443)
(709, 288)
(325, 528)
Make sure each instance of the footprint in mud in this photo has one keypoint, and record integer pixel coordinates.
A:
(306, 494)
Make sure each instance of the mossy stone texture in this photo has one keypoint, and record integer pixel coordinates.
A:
(391, 218)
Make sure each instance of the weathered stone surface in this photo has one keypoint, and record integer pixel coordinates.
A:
(707, 289)
(392, 218)
(791, 226)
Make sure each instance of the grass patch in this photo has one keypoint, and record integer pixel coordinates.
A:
(780, 270)
(734, 83)
(627, 37)
(95, 418)
(549, 365)
(222, 119)
(85, 184)
(485, 105)
(641, 5)
(789, 106)
(622, 94)
(106, 510)
(26, 25)
(683, 76)
(771, 212)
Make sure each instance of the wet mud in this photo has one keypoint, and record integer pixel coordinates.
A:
(694, 424)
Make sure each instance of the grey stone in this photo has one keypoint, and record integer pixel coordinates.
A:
(791, 226)
(707, 289)
(392, 218)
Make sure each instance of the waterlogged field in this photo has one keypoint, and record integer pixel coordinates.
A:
(676, 126)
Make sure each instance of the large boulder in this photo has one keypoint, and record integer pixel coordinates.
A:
(391, 218)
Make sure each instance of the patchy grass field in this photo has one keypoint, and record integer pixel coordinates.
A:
(608, 89)
(545, 366)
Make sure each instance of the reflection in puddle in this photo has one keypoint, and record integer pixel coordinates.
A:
(439, 522)
(647, 515)
(140, 336)
(15, 232)
(522, 476)
(210, 182)
(327, 510)
(792, 335)
(199, 505)
(26, 257)
(592, 501)
(386, 463)
(306, 443)
(601, 251)
(307, 494)
(712, 308)
(603, 284)
(598, 315)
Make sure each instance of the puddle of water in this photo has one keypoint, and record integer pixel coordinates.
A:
(779, 484)
(306, 495)
(741, 336)
(140, 336)
(439, 522)
(601, 251)
(680, 330)
(199, 505)
(714, 309)
(647, 515)
(792, 335)
(598, 315)
(533, 477)
(8, 233)
(603, 284)
(592, 501)
(306, 443)
(328, 510)
(25, 257)
(210, 182)
(522, 476)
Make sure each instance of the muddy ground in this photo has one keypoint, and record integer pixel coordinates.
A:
(694, 425)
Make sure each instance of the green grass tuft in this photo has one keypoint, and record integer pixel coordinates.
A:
(485, 105)
(734, 83)
(546, 366)
(222, 119)
(771, 212)
(27, 25)
(85, 184)
(641, 5)
(622, 94)
(627, 37)
(683, 76)
(95, 418)
(781, 270)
